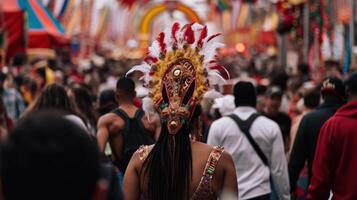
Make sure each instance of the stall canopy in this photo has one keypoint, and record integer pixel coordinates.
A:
(12, 24)
(43, 30)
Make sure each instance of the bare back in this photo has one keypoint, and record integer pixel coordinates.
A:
(223, 179)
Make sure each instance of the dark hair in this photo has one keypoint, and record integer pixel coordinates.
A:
(168, 167)
(107, 96)
(83, 101)
(41, 72)
(49, 157)
(107, 101)
(244, 94)
(304, 68)
(312, 99)
(54, 96)
(351, 83)
(127, 86)
(3, 115)
(3, 76)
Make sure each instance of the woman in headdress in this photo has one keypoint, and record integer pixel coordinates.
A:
(178, 71)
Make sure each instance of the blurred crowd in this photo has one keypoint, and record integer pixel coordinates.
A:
(298, 101)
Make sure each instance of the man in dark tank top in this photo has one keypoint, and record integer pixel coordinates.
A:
(126, 128)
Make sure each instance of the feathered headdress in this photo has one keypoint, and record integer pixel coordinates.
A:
(178, 71)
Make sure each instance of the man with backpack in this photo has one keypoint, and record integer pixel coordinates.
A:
(256, 145)
(125, 128)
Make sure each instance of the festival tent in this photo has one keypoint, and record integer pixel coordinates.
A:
(43, 30)
(12, 24)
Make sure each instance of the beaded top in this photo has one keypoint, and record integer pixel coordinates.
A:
(204, 189)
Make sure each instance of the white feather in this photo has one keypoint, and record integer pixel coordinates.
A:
(144, 68)
(148, 107)
(209, 50)
(212, 94)
(197, 28)
(180, 38)
(154, 49)
(146, 78)
(168, 40)
(215, 78)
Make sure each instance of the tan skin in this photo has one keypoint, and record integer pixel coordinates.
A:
(110, 126)
(224, 180)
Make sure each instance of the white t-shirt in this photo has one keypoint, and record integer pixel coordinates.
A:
(252, 175)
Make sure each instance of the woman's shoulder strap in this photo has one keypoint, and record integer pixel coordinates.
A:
(213, 159)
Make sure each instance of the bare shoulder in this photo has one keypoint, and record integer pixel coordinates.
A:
(111, 121)
(225, 164)
(140, 156)
(201, 147)
(143, 151)
(226, 159)
(107, 118)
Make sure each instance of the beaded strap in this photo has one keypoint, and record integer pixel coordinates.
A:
(213, 160)
(143, 151)
(204, 189)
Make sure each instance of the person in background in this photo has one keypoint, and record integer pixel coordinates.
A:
(12, 99)
(273, 102)
(41, 73)
(261, 90)
(29, 90)
(335, 163)
(5, 122)
(253, 173)
(48, 157)
(293, 95)
(54, 97)
(303, 70)
(333, 95)
(310, 100)
(84, 104)
(106, 102)
(126, 128)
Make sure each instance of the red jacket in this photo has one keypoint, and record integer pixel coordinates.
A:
(335, 164)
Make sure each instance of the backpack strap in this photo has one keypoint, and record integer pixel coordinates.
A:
(245, 128)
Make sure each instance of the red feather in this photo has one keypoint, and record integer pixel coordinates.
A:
(150, 59)
(174, 29)
(128, 3)
(222, 70)
(189, 34)
(160, 39)
(203, 35)
(213, 36)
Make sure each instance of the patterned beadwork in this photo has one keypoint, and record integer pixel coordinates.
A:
(204, 189)
(144, 151)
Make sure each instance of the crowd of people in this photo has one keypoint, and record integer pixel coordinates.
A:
(71, 134)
